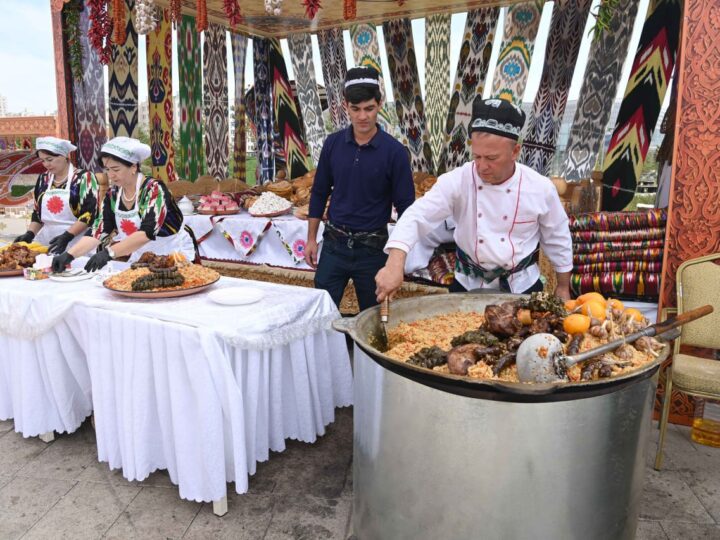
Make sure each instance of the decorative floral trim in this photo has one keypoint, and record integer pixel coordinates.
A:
(298, 248)
(493, 124)
(246, 239)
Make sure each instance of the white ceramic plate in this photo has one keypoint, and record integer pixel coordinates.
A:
(236, 296)
(72, 275)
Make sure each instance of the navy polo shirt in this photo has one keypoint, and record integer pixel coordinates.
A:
(365, 181)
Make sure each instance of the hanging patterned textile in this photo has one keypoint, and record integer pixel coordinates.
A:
(287, 120)
(123, 81)
(469, 82)
(366, 52)
(89, 98)
(332, 53)
(311, 110)
(160, 104)
(263, 111)
(215, 100)
(190, 102)
(437, 81)
(602, 75)
(406, 88)
(640, 108)
(516, 50)
(561, 53)
(239, 50)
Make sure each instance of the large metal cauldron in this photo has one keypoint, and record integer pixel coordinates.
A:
(438, 456)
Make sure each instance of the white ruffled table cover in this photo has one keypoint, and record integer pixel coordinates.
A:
(44, 378)
(278, 241)
(202, 390)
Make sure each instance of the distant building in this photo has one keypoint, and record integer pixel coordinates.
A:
(3, 105)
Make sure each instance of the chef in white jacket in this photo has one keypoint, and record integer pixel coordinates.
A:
(504, 211)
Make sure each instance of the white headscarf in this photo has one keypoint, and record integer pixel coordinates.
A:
(130, 150)
(57, 146)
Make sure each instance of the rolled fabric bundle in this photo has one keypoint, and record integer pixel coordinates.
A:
(627, 255)
(627, 284)
(598, 247)
(651, 233)
(615, 221)
(618, 266)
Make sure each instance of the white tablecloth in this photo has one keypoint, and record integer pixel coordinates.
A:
(171, 388)
(240, 237)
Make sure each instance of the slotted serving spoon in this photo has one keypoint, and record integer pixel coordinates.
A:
(541, 359)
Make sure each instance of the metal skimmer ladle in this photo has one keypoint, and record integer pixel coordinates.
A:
(541, 358)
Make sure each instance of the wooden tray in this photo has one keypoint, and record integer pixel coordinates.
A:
(11, 273)
(171, 293)
(272, 214)
(215, 213)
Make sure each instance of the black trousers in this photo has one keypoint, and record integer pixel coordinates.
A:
(456, 287)
(340, 262)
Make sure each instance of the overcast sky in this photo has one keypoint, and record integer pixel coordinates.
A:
(27, 72)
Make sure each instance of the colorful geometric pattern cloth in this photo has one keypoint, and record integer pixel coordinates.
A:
(239, 51)
(640, 108)
(406, 89)
(292, 147)
(469, 82)
(602, 76)
(89, 96)
(123, 81)
(190, 77)
(437, 81)
(513, 64)
(366, 52)
(215, 100)
(618, 253)
(160, 99)
(334, 68)
(566, 29)
(263, 111)
(310, 108)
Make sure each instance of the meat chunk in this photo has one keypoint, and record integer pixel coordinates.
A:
(501, 319)
(459, 359)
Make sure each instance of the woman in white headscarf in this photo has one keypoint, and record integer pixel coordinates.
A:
(137, 215)
(65, 198)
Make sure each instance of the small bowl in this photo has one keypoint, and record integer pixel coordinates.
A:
(34, 274)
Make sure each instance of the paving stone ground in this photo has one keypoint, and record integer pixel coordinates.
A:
(59, 490)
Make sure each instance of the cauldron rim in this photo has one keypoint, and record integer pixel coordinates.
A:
(483, 388)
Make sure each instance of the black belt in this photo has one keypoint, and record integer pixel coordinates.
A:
(373, 239)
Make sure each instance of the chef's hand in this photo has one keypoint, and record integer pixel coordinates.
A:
(28, 237)
(61, 262)
(311, 252)
(562, 292)
(390, 277)
(97, 261)
(60, 242)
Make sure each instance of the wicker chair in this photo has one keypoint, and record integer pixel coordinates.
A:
(697, 284)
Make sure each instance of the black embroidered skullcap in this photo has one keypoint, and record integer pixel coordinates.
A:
(497, 116)
(366, 76)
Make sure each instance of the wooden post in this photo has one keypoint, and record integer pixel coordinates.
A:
(63, 80)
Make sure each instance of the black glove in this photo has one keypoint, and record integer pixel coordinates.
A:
(28, 237)
(97, 261)
(60, 242)
(61, 262)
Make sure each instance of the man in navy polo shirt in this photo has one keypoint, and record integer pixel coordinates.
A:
(367, 172)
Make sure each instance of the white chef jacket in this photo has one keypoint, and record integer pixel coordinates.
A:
(497, 225)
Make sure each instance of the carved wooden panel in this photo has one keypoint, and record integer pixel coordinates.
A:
(693, 226)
